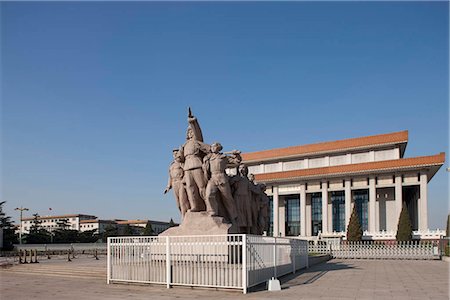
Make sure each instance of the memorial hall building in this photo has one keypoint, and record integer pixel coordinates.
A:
(313, 188)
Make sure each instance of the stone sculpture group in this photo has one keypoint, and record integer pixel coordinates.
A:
(200, 183)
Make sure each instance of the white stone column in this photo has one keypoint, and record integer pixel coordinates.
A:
(398, 200)
(372, 156)
(308, 216)
(372, 202)
(325, 207)
(275, 211)
(349, 158)
(348, 202)
(302, 210)
(423, 204)
(282, 216)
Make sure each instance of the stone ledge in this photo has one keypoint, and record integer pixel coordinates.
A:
(200, 223)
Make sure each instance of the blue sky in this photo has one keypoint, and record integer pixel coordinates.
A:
(94, 95)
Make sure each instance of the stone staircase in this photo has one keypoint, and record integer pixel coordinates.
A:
(77, 268)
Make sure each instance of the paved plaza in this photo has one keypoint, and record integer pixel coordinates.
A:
(85, 278)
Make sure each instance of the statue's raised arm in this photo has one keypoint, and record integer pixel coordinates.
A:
(195, 126)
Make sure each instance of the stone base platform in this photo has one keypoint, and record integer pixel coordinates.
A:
(201, 223)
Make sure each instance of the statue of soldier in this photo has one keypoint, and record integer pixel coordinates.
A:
(176, 174)
(192, 153)
(263, 216)
(254, 204)
(251, 177)
(243, 189)
(214, 166)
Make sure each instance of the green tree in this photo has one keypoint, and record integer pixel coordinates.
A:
(354, 230)
(127, 230)
(448, 226)
(65, 236)
(41, 237)
(9, 235)
(404, 229)
(110, 230)
(37, 234)
(36, 224)
(171, 223)
(90, 236)
(148, 230)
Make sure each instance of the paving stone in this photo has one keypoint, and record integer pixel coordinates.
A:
(335, 279)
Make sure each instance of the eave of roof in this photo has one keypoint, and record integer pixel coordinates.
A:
(97, 221)
(132, 222)
(380, 140)
(354, 169)
(59, 217)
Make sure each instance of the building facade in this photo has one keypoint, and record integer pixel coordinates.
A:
(82, 223)
(313, 188)
(96, 224)
(157, 226)
(51, 223)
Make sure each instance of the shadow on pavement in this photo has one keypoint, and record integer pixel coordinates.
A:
(307, 276)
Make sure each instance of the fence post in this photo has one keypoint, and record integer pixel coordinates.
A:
(108, 259)
(436, 250)
(294, 256)
(244, 263)
(307, 254)
(275, 258)
(168, 275)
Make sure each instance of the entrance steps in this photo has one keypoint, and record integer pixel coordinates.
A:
(72, 269)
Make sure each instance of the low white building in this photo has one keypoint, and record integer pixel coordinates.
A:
(82, 223)
(313, 188)
(51, 223)
(96, 224)
(157, 226)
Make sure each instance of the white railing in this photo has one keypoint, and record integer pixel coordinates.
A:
(418, 234)
(388, 235)
(222, 261)
(429, 234)
(378, 250)
(319, 247)
(272, 257)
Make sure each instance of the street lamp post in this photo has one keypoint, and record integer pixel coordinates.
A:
(20, 231)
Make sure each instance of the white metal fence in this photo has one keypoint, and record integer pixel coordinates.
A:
(272, 257)
(222, 261)
(378, 250)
